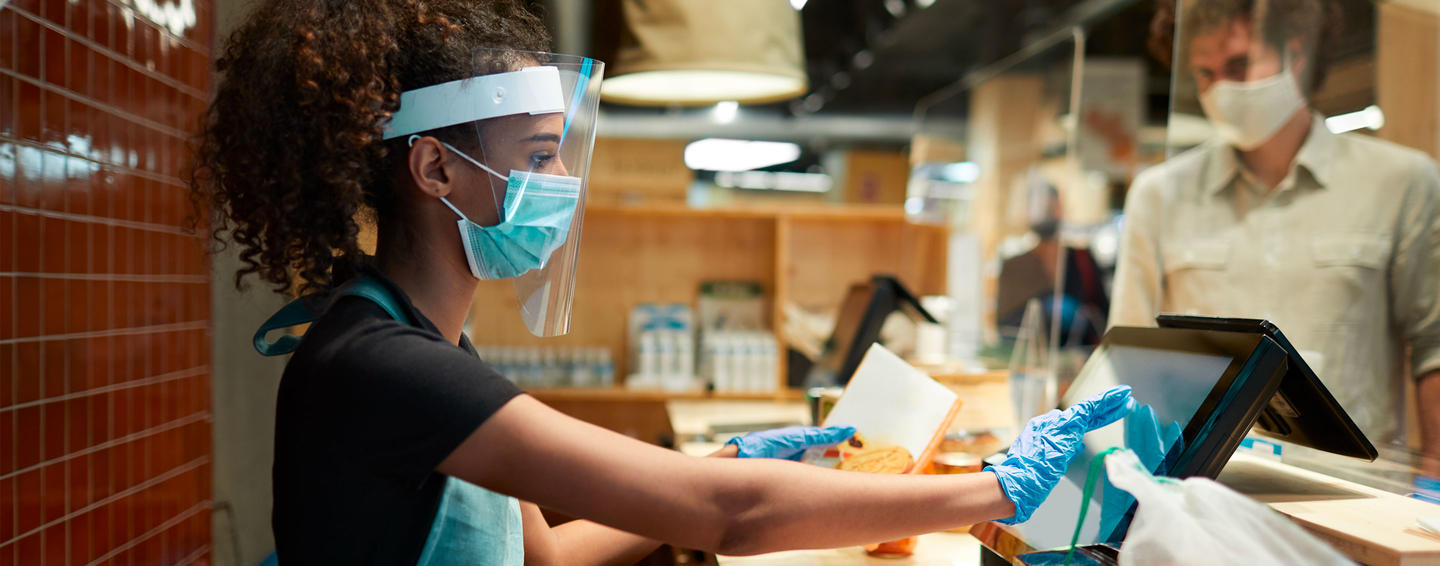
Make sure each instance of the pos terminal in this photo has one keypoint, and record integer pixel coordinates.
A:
(1200, 384)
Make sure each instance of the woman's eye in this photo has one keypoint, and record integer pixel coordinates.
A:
(540, 161)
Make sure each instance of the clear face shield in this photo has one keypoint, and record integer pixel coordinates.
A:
(531, 127)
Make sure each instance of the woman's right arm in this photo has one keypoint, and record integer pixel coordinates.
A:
(532, 452)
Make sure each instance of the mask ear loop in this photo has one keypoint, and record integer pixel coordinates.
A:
(410, 142)
(505, 212)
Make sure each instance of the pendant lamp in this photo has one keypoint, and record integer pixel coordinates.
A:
(700, 52)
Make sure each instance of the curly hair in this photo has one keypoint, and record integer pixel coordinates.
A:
(290, 149)
(1317, 23)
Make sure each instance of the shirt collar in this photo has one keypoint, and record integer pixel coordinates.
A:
(1315, 156)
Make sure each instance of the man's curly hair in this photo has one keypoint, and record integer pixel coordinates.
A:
(291, 147)
(1318, 24)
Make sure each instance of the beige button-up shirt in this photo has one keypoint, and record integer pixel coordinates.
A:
(1344, 256)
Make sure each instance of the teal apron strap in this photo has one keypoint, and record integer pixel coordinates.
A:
(367, 287)
(309, 307)
(296, 312)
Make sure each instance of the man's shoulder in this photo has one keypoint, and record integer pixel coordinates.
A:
(1379, 155)
(1174, 175)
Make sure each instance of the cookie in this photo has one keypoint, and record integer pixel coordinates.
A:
(884, 460)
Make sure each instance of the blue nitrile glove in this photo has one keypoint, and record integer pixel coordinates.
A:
(1039, 456)
(1146, 438)
(790, 442)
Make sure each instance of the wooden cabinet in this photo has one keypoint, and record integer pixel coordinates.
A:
(663, 252)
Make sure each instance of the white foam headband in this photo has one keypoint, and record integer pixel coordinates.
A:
(532, 90)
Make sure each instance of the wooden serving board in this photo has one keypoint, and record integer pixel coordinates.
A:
(1369, 525)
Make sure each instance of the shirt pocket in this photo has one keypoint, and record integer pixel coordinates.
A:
(1195, 277)
(1351, 250)
(1204, 255)
(1350, 277)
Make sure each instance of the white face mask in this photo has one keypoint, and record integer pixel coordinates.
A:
(1248, 114)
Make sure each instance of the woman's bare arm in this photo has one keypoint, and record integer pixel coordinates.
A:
(581, 542)
(728, 506)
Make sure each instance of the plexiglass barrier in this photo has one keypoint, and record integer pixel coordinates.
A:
(1300, 186)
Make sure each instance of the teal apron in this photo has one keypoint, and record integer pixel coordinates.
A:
(473, 526)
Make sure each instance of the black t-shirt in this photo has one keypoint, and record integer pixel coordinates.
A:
(368, 407)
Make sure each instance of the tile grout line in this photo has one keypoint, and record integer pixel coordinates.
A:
(112, 54)
(137, 488)
(53, 146)
(162, 527)
(132, 224)
(152, 431)
(194, 556)
(189, 325)
(160, 28)
(157, 278)
(109, 108)
(142, 382)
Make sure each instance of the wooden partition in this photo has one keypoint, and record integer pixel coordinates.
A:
(662, 253)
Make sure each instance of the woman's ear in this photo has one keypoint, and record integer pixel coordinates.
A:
(426, 162)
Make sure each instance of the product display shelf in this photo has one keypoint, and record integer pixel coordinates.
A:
(661, 253)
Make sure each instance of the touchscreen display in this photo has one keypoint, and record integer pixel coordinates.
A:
(1169, 386)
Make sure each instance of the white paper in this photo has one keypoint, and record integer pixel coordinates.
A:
(892, 403)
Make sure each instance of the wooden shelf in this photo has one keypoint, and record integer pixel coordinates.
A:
(663, 252)
(623, 394)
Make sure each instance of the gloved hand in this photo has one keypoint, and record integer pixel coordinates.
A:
(1039, 456)
(790, 442)
(1144, 436)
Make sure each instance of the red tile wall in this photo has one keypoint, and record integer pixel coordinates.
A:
(104, 295)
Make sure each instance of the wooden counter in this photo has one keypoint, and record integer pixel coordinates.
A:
(935, 549)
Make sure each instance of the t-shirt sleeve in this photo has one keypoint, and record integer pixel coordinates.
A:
(412, 398)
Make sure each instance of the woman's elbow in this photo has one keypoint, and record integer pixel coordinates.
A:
(747, 525)
(743, 535)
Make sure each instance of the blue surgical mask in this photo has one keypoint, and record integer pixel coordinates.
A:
(537, 212)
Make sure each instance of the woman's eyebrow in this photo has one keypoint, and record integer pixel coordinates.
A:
(552, 138)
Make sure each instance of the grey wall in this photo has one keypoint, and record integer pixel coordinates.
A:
(244, 386)
(244, 410)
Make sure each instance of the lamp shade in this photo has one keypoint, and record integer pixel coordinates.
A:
(698, 52)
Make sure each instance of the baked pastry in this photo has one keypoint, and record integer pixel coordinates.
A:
(880, 460)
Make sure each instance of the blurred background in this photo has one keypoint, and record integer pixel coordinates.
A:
(751, 178)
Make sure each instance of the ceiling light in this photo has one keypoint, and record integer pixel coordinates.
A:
(895, 7)
(775, 181)
(797, 4)
(1370, 118)
(720, 154)
(863, 59)
(683, 52)
(924, 3)
(960, 172)
(725, 111)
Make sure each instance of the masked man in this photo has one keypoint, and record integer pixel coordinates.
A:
(1332, 237)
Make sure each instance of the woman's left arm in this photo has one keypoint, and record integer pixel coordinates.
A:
(586, 542)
